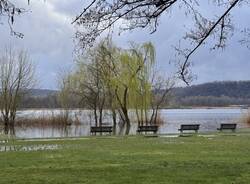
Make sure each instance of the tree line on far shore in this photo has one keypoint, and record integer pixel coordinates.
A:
(212, 94)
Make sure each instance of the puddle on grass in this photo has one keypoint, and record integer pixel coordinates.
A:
(8, 148)
(56, 139)
(208, 136)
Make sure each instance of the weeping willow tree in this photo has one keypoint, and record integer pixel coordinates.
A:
(131, 82)
(123, 83)
(138, 87)
(119, 80)
(144, 62)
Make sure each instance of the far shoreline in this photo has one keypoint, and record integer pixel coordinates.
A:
(167, 108)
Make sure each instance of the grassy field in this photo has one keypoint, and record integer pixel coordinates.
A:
(223, 159)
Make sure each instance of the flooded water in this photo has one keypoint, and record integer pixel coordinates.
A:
(209, 120)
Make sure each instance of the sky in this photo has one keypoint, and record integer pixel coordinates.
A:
(48, 37)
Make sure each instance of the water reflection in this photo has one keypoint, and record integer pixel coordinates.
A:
(209, 120)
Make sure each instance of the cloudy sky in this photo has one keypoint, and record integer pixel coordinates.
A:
(49, 40)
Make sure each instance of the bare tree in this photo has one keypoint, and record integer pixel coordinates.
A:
(9, 10)
(161, 88)
(100, 16)
(16, 77)
(87, 84)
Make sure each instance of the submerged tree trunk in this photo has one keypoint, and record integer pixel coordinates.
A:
(100, 117)
(127, 121)
(123, 109)
(12, 128)
(138, 117)
(6, 128)
(96, 117)
(114, 121)
(6, 122)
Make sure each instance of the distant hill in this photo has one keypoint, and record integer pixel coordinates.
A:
(214, 94)
(42, 92)
(237, 89)
(224, 93)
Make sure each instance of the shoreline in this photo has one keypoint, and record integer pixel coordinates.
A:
(176, 108)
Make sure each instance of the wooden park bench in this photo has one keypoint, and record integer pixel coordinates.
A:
(224, 126)
(102, 129)
(194, 127)
(150, 128)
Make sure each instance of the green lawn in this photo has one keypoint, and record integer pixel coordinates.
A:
(222, 159)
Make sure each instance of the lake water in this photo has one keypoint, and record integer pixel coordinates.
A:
(209, 120)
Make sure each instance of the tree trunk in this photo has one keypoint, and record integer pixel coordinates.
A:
(96, 118)
(100, 117)
(114, 121)
(156, 115)
(127, 121)
(12, 128)
(6, 125)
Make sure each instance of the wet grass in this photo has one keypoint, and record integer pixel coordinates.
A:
(184, 160)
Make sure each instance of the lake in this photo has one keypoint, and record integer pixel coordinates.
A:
(209, 120)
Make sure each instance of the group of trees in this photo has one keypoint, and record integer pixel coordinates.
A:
(118, 80)
(107, 79)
